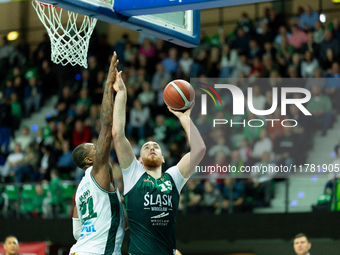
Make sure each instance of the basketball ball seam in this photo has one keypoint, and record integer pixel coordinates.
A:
(172, 99)
(176, 87)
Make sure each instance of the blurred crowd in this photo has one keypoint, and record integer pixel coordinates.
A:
(272, 47)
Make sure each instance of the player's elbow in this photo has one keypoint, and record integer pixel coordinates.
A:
(199, 151)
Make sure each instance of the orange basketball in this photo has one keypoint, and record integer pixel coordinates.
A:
(179, 95)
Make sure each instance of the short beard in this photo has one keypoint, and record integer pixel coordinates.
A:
(152, 163)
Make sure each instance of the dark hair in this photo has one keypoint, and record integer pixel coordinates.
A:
(10, 236)
(78, 156)
(301, 235)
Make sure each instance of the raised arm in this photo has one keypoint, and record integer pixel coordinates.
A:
(122, 145)
(101, 167)
(190, 160)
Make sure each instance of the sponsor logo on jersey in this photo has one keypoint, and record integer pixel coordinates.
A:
(147, 180)
(163, 214)
(87, 229)
(157, 199)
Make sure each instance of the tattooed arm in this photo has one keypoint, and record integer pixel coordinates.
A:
(101, 166)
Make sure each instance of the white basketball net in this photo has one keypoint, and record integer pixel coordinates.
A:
(68, 43)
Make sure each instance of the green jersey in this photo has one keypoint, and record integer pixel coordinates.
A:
(152, 206)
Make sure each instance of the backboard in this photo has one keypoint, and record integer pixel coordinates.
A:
(182, 28)
(138, 7)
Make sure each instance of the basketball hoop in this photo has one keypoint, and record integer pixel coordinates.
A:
(69, 45)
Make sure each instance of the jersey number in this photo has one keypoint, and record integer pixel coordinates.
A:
(87, 209)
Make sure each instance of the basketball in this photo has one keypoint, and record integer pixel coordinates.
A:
(179, 95)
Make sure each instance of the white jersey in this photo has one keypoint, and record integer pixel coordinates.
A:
(102, 216)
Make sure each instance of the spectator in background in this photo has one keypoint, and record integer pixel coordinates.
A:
(147, 95)
(237, 192)
(245, 23)
(310, 46)
(147, 48)
(302, 244)
(220, 146)
(284, 53)
(65, 164)
(268, 50)
(81, 133)
(327, 62)
(245, 151)
(275, 20)
(264, 144)
(335, 27)
(139, 116)
(302, 130)
(27, 166)
(333, 85)
(9, 88)
(32, 96)
(199, 66)
(268, 65)
(50, 132)
(83, 103)
(64, 104)
(25, 139)
(93, 116)
(16, 112)
(193, 196)
(258, 100)
(185, 64)
(329, 43)
(308, 65)
(160, 77)
(5, 51)
(236, 160)
(19, 87)
(308, 18)
(264, 34)
(211, 199)
(254, 49)
(282, 32)
(251, 133)
(241, 41)
(319, 33)
(48, 80)
(170, 63)
(297, 38)
(229, 60)
(263, 180)
(214, 62)
(98, 88)
(47, 162)
(241, 67)
(5, 124)
(13, 160)
(63, 134)
(285, 148)
(11, 245)
(317, 79)
(320, 106)
(161, 132)
(38, 202)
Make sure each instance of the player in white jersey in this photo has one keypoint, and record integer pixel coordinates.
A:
(98, 221)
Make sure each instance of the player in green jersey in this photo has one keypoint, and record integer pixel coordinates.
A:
(152, 198)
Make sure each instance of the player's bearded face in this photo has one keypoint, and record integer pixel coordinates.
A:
(151, 155)
(152, 161)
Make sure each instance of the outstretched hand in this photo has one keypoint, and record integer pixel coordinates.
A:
(180, 114)
(112, 75)
(119, 84)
